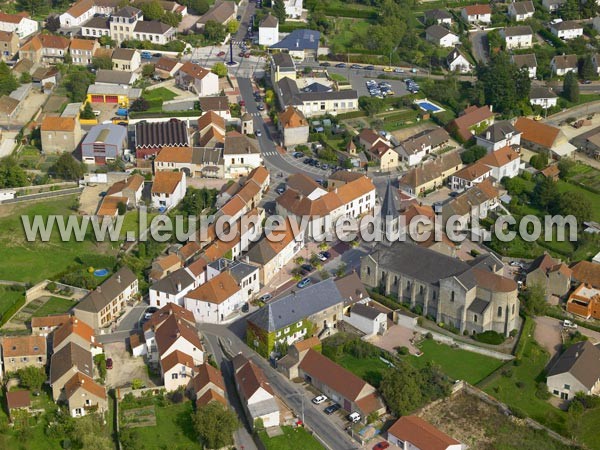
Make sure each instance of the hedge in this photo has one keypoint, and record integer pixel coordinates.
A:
(352, 13)
(97, 261)
(291, 26)
(526, 331)
(12, 310)
(351, 115)
(148, 115)
(490, 337)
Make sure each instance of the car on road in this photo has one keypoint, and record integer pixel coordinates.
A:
(398, 70)
(303, 283)
(381, 445)
(341, 65)
(280, 190)
(369, 67)
(331, 409)
(325, 64)
(319, 399)
(242, 103)
(353, 417)
(238, 18)
(260, 107)
(298, 155)
(587, 82)
(245, 307)
(307, 267)
(221, 53)
(265, 298)
(258, 133)
(388, 69)
(109, 363)
(307, 160)
(356, 66)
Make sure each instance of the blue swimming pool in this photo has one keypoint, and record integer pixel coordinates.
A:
(427, 106)
(101, 272)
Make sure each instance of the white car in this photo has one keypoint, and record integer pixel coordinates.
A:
(259, 133)
(321, 257)
(569, 324)
(319, 399)
(354, 417)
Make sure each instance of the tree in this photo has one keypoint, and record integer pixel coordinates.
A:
(569, 10)
(534, 300)
(198, 6)
(53, 23)
(371, 105)
(77, 81)
(88, 112)
(279, 11)
(566, 166)
(106, 41)
(102, 62)
(233, 26)
(473, 154)
(11, 174)
(67, 168)
(148, 70)
(8, 81)
(219, 69)
(215, 425)
(539, 161)
(25, 78)
(570, 88)
(139, 104)
(171, 18)
(586, 68)
(152, 10)
(575, 204)
(214, 31)
(545, 193)
(33, 7)
(32, 377)
(121, 208)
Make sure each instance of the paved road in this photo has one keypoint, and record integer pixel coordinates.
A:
(480, 45)
(126, 327)
(295, 397)
(578, 112)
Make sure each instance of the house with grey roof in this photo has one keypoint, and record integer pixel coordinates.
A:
(542, 96)
(439, 16)
(67, 362)
(498, 135)
(154, 31)
(118, 77)
(517, 37)
(367, 318)
(104, 143)
(566, 29)
(553, 5)
(441, 36)
(527, 62)
(173, 287)
(104, 305)
(282, 65)
(472, 296)
(300, 44)
(562, 64)
(416, 148)
(575, 370)
(151, 137)
(313, 310)
(520, 11)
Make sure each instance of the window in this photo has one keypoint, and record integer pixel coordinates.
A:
(420, 290)
(567, 387)
(499, 311)
(299, 324)
(173, 376)
(513, 309)
(278, 334)
(452, 296)
(475, 318)
(287, 330)
(88, 402)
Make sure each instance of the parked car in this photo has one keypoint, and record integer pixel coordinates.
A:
(569, 324)
(109, 363)
(245, 307)
(298, 155)
(381, 445)
(242, 103)
(303, 283)
(323, 256)
(319, 399)
(353, 417)
(332, 408)
(325, 64)
(398, 70)
(265, 298)
(221, 53)
(341, 65)
(307, 267)
(146, 55)
(258, 133)
(369, 67)
(280, 190)
(388, 69)
(514, 264)
(157, 55)
(260, 107)
(356, 66)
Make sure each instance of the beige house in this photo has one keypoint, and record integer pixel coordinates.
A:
(82, 51)
(431, 175)
(208, 386)
(23, 351)
(177, 369)
(60, 134)
(576, 370)
(106, 303)
(288, 365)
(84, 395)
(551, 274)
(64, 364)
(77, 331)
(294, 127)
(126, 59)
(9, 45)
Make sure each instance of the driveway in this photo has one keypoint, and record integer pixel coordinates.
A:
(396, 336)
(480, 45)
(125, 367)
(547, 334)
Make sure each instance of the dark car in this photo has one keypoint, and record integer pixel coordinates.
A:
(298, 155)
(157, 55)
(280, 190)
(356, 66)
(325, 64)
(305, 161)
(260, 107)
(109, 363)
(369, 67)
(221, 53)
(453, 194)
(340, 65)
(332, 408)
(245, 307)
(307, 267)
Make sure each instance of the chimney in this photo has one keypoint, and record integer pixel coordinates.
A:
(177, 334)
(82, 381)
(576, 355)
(119, 279)
(488, 135)
(99, 289)
(179, 286)
(75, 321)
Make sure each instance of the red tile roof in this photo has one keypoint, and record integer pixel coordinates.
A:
(420, 434)
(80, 380)
(18, 399)
(537, 132)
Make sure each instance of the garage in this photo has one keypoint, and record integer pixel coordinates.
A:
(97, 99)
(100, 160)
(111, 99)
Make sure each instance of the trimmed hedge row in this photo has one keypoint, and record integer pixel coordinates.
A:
(351, 13)
(12, 310)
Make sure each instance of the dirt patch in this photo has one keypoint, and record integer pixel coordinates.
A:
(90, 197)
(405, 133)
(139, 417)
(125, 367)
(396, 336)
(54, 104)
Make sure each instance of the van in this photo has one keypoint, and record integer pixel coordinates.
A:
(146, 55)
(354, 417)
(569, 324)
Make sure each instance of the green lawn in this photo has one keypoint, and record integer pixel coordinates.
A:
(174, 428)
(582, 173)
(35, 261)
(348, 32)
(458, 364)
(8, 297)
(594, 199)
(131, 222)
(160, 93)
(55, 305)
(588, 428)
(369, 369)
(291, 439)
(337, 77)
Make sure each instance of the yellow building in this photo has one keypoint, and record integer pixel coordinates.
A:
(121, 95)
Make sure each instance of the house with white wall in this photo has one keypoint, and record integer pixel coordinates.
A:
(441, 36)
(293, 8)
(177, 370)
(499, 135)
(527, 62)
(241, 154)
(577, 369)
(366, 318)
(477, 14)
(566, 29)
(560, 65)
(79, 13)
(542, 96)
(520, 11)
(168, 189)
(19, 23)
(194, 78)
(517, 37)
(414, 433)
(173, 287)
(268, 31)
(178, 335)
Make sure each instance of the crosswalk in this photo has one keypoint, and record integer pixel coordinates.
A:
(238, 43)
(270, 153)
(255, 114)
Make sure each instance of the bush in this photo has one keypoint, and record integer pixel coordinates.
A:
(100, 361)
(403, 350)
(520, 384)
(542, 391)
(51, 287)
(490, 337)
(508, 373)
(429, 336)
(518, 413)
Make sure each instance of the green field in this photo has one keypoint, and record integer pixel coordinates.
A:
(594, 199)
(160, 93)
(370, 369)
(55, 305)
(587, 175)
(458, 364)
(291, 439)
(35, 261)
(8, 297)
(348, 32)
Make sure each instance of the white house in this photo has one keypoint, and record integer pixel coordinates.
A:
(173, 287)
(566, 29)
(414, 149)
(517, 37)
(79, 13)
(178, 335)
(293, 8)
(553, 5)
(527, 62)
(241, 154)
(20, 23)
(177, 370)
(470, 176)
(457, 62)
(504, 163)
(439, 16)
(197, 79)
(367, 319)
(441, 36)
(575, 370)
(147, 344)
(520, 11)
(168, 189)
(268, 31)
(563, 64)
(216, 300)
(255, 392)
(153, 31)
(413, 433)
(499, 135)
(542, 96)
(477, 14)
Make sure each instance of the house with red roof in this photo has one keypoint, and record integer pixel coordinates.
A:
(477, 14)
(19, 23)
(412, 432)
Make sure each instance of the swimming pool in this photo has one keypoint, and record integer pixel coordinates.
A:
(426, 105)
(100, 272)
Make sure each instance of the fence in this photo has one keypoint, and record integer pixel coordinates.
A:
(40, 288)
(42, 195)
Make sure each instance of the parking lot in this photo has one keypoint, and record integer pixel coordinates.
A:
(125, 367)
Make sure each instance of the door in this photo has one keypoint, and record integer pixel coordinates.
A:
(111, 99)
(347, 405)
(101, 160)
(97, 99)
